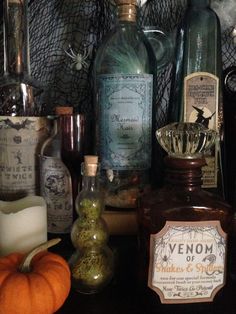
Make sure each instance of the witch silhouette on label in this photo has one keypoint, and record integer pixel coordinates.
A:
(200, 117)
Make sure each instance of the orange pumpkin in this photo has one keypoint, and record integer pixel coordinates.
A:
(37, 283)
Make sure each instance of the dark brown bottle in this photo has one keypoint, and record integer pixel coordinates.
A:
(73, 143)
(183, 229)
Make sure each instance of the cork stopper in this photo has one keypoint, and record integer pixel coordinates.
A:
(15, 1)
(63, 110)
(90, 165)
(127, 10)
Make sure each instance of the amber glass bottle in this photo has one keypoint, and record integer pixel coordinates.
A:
(184, 229)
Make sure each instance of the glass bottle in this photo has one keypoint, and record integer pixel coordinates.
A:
(124, 72)
(183, 228)
(59, 184)
(22, 130)
(196, 90)
(92, 263)
(229, 93)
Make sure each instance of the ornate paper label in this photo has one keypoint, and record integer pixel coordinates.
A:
(201, 105)
(20, 141)
(187, 261)
(57, 191)
(126, 117)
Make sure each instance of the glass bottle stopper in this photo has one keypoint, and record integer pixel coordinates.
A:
(185, 139)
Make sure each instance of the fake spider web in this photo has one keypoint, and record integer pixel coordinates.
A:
(59, 28)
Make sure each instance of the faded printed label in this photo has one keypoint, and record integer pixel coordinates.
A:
(125, 121)
(20, 142)
(187, 261)
(56, 189)
(201, 106)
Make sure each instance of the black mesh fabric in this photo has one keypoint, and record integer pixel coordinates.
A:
(64, 36)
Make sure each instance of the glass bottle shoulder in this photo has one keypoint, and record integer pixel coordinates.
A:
(201, 38)
(201, 25)
(200, 16)
(173, 204)
(124, 50)
(52, 146)
(17, 96)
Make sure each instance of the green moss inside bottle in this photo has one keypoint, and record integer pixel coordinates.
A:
(92, 263)
(92, 270)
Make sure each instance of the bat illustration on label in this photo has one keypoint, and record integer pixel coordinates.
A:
(18, 125)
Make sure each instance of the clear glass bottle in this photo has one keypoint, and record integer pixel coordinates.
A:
(125, 72)
(92, 264)
(56, 179)
(183, 228)
(196, 90)
(22, 130)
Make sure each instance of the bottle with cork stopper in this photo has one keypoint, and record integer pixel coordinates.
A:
(125, 72)
(92, 263)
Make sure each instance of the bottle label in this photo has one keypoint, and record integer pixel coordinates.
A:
(125, 121)
(187, 261)
(201, 105)
(56, 189)
(20, 141)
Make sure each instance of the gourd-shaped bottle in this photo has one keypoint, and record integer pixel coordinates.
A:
(22, 128)
(92, 263)
(125, 72)
(196, 94)
(184, 229)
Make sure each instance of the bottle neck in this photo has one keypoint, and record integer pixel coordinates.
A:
(16, 39)
(90, 183)
(184, 173)
(127, 13)
(199, 3)
(68, 132)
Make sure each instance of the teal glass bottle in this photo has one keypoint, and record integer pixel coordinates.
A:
(124, 72)
(196, 86)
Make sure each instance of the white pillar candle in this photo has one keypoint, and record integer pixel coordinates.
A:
(23, 224)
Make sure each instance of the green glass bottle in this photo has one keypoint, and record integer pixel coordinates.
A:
(196, 86)
(125, 69)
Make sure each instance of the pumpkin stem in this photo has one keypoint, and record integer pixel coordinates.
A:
(25, 265)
